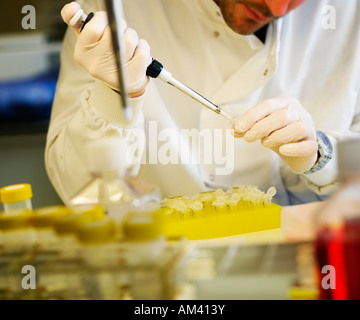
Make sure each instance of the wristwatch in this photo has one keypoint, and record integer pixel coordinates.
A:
(325, 152)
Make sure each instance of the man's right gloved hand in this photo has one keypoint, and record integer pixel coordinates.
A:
(94, 51)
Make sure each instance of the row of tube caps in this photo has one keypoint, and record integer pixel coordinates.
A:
(61, 236)
(18, 213)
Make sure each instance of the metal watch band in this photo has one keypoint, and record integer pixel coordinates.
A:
(325, 152)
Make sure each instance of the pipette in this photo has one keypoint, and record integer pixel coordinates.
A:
(81, 17)
(156, 70)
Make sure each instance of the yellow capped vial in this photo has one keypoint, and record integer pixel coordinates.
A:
(16, 197)
(44, 220)
(80, 215)
(17, 231)
(144, 237)
(97, 232)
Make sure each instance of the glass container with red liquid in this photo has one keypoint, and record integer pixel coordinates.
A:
(337, 243)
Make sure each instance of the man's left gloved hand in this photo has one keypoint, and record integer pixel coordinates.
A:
(284, 126)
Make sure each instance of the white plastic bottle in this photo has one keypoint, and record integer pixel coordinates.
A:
(111, 184)
(44, 220)
(61, 279)
(18, 235)
(144, 255)
(67, 227)
(19, 241)
(101, 260)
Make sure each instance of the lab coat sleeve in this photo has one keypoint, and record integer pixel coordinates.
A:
(84, 109)
(325, 181)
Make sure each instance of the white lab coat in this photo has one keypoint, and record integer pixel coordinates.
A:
(302, 58)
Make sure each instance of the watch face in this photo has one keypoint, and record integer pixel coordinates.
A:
(325, 150)
(325, 142)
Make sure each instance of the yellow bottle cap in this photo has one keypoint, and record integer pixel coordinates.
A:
(17, 220)
(303, 294)
(96, 232)
(143, 226)
(96, 211)
(48, 216)
(80, 215)
(16, 193)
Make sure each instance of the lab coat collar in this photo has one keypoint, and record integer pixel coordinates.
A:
(255, 73)
(210, 9)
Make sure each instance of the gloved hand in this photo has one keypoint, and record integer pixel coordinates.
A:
(94, 51)
(284, 126)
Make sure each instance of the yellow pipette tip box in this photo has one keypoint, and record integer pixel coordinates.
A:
(236, 222)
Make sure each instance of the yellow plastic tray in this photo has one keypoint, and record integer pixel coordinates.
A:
(234, 223)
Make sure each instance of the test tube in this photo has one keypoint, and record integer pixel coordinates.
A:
(196, 209)
(220, 206)
(234, 202)
(16, 197)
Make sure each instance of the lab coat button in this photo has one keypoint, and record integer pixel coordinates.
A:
(266, 72)
(216, 34)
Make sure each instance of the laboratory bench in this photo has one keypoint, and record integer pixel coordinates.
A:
(276, 264)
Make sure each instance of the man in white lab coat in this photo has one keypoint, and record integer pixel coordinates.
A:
(289, 70)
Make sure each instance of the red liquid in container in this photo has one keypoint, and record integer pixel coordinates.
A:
(340, 248)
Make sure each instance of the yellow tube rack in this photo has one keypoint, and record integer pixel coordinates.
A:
(216, 213)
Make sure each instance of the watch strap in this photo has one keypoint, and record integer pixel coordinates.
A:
(324, 152)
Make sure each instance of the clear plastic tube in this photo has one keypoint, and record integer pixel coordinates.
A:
(16, 197)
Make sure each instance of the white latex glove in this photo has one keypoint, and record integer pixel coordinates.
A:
(284, 126)
(94, 51)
